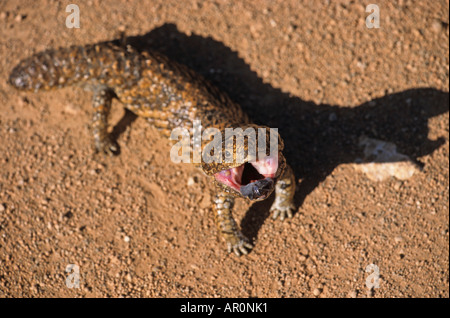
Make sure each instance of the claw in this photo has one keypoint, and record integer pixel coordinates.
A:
(107, 146)
(282, 211)
(241, 247)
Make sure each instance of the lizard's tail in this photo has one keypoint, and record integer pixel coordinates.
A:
(67, 66)
(49, 69)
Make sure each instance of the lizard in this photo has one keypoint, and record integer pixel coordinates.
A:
(168, 95)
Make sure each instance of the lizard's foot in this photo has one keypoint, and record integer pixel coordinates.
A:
(107, 146)
(238, 244)
(283, 211)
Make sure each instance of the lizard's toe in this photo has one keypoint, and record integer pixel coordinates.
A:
(282, 211)
(107, 146)
(241, 246)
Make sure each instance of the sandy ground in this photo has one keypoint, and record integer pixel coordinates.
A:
(138, 225)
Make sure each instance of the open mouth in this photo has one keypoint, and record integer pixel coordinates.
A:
(252, 179)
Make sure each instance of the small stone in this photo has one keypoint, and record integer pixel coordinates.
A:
(382, 161)
(191, 181)
(70, 109)
(126, 239)
(19, 17)
(361, 65)
(316, 292)
(397, 185)
(2, 207)
(436, 26)
(353, 294)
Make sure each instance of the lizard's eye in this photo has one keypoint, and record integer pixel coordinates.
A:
(227, 154)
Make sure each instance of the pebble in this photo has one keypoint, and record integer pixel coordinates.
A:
(122, 28)
(353, 294)
(2, 207)
(191, 181)
(316, 292)
(70, 109)
(382, 161)
(436, 26)
(397, 185)
(19, 17)
(126, 239)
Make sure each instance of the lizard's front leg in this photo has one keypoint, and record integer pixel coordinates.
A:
(236, 242)
(101, 102)
(283, 205)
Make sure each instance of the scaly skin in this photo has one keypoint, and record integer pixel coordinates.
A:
(168, 95)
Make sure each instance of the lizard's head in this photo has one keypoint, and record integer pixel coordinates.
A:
(245, 169)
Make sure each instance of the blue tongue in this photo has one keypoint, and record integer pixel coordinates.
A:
(257, 189)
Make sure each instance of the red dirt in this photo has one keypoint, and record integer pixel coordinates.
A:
(314, 70)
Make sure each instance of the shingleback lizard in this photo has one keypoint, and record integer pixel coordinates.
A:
(169, 95)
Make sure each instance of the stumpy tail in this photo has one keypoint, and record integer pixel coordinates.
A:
(67, 66)
(46, 70)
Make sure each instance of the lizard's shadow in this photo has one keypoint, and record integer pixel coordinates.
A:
(318, 137)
